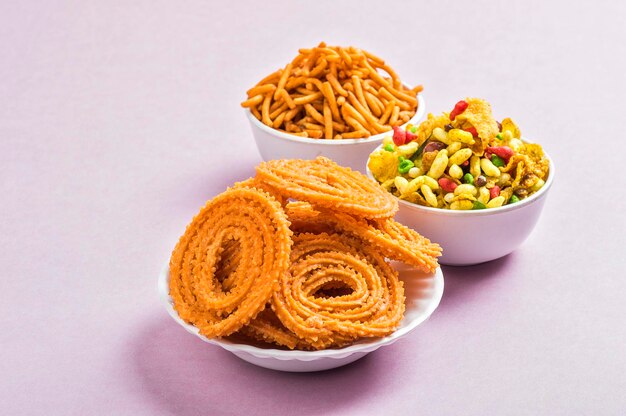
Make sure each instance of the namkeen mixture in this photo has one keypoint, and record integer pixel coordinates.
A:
(461, 160)
(333, 92)
(297, 257)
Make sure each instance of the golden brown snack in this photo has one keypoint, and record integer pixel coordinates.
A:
(333, 92)
(323, 183)
(228, 262)
(234, 273)
(253, 183)
(478, 114)
(369, 301)
(266, 327)
(394, 240)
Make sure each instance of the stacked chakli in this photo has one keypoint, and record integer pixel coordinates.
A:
(297, 257)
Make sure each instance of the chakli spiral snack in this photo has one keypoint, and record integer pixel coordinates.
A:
(322, 182)
(256, 184)
(374, 306)
(295, 257)
(226, 265)
(266, 327)
(393, 239)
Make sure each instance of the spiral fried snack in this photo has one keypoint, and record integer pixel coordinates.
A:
(323, 183)
(393, 239)
(337, 290)
(266, 327)
(253, 183)
(228, 262)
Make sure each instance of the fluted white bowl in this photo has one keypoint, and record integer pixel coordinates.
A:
(423, 294)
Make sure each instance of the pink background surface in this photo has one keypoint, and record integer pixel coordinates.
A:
(119, 120)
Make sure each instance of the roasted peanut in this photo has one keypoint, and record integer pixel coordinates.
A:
(475, 166)
(459, 156)
(439, 164)
(429, 195)
(489, 168)
(465, 189)
(401, 184)
(455, 171)
(496, 202)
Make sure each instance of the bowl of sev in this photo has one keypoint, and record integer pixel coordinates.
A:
(337, 102)
(301, 268)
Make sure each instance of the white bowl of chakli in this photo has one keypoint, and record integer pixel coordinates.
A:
(332, 102)
(423, 293)
(290, 270)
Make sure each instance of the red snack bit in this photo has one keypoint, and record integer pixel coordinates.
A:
(494, 192)
(505, 152)
(447, 185)
(458, 109)
(465, 164)
(472, 130)
(409, 136)
(399, 136)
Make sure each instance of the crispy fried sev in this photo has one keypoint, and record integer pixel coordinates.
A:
(246, 222)
(326, 77)
(394, 240)
(371, 306)
(323, 183)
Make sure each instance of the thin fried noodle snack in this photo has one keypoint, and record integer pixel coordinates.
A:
(333, 92)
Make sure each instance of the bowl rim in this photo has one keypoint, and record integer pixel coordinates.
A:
(421, 110)
(479, 212)
(363, 346)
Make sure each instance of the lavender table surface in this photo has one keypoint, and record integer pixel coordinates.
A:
(118, 120)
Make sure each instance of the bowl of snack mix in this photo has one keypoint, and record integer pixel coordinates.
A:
(332, 101)
(472, 184)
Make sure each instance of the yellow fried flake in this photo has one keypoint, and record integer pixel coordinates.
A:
(426, 127)
(509, 125)
(539, 165)
(415, 198)
(383, 165)
(478, 114)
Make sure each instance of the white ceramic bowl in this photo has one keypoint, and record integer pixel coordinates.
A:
(423, 293)
(275, 144)
(476, 236)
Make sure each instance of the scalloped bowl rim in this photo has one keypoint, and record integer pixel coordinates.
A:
(479, 212)
(421, 109)
(364, 346)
